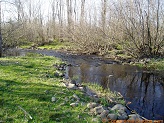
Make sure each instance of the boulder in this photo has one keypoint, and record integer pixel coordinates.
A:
(53, 99)
(134, 117)
(122, 115)
(104, 114)
(119, 107)
(56, 74)
(112, 116)
(98, 110)
(71, 86)
(92, 105)
(95, 120)
(81, 88)
(74, 104)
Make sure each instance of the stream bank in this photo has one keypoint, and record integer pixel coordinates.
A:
(143, 88)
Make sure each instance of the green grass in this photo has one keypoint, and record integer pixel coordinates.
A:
(29, 82)
(153, 64)
(56, 45)
(106, 94)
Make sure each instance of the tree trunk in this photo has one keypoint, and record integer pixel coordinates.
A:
(103, 14)
(0, 33)
(82, 12)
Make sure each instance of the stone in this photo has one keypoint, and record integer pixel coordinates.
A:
(76, 97)
(122, 115)
(61, 75)
(64, 84)
(112, 116)
(71, 86)
(109, 108)
(92, 105)
(98, 110)
(104, 114)
(53, 99)
(134, 117)
(56, 74)
(95, 120)
(119, 107)
(81, 88)
(74, 104)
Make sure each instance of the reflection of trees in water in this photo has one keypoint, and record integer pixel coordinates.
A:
(144, 90)
(146, 101)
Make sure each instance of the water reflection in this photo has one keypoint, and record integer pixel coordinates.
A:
(145, 90)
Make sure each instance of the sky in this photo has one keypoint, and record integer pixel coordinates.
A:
(9, 10)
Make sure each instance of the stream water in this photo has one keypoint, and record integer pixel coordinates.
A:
(144, 89)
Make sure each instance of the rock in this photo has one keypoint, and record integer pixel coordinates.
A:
(109, 108)
(104, 114)
(53, 99)
(74, 104)
(81, 88)
(64, 84)
(95, 120)
(92, 105)
(71, 86)
(112, 116)
(56, 74)
(123, 117)
(119, 107)
(76, 97)
(61, 75)
(134, 117)
(98, 110)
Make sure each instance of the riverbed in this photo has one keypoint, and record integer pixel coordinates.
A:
(144, 89)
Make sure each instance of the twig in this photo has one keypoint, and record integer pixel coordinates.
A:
(25, 112)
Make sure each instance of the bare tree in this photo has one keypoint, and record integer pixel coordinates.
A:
(82, 12)
(0, 33)
(69, 17)
(140, 24)
(103, 14)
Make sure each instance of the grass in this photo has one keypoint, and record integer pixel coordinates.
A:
(153, 64)
(29, 82)
(55, 45)
(106, 94)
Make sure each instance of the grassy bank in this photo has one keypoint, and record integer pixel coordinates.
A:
(152, 64)
(117, 54)
(27, 85)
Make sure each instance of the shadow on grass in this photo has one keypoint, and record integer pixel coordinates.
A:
(35, 98)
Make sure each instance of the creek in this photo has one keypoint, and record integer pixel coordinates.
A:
(144, 89)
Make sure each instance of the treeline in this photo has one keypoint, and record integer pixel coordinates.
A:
(134, 26)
